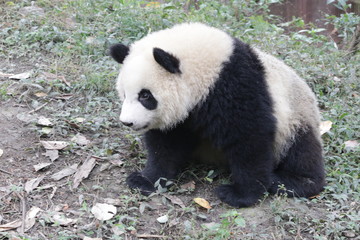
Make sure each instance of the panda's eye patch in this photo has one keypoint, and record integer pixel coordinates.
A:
(147, 99)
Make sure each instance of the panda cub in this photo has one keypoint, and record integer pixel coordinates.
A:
(193, 87)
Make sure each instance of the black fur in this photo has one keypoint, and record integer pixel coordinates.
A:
(169, 62)
(237, 117)
(119, 52)
(301, 171)
(147, 99)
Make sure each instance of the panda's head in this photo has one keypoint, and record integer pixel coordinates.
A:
(148, 85)
(167, 73)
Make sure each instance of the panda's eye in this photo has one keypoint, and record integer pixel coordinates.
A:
(144, 95)
(146, 98)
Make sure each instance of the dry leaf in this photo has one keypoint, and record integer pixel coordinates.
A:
(62, 220)
(32, 184)
(115, 202)
(325, 126)
(46, 130)
(117, 162)
(52, 154)
(80, 119)
(30, 218)
(50, 77)
(20, 76)
(118, 229)
(10, 225)
(351, 144)
(103, 211)
(83, 171)
(5, 75)
(27, 117)
(65, 172)
(163, 219)
(80, 139)
(40, 94)
(54, 145)
(43, 121)
(188, 186)
(202, 202)
(175, 200)
(1, 152)
(40, 166)
(64, 97)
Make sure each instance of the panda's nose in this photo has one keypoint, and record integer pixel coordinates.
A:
(128, 124)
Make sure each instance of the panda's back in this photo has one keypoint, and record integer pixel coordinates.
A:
(295, 104)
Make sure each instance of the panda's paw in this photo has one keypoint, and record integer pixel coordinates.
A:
(137, 181)
(229, 195)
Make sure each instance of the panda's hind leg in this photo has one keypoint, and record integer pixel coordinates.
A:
(301, 172)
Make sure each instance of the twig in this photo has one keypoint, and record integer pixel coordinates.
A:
(38, 108)
(23, 209)
(43, 235)
(4, 171)
(150, 236)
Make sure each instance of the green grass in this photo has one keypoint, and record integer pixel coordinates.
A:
(72, 40)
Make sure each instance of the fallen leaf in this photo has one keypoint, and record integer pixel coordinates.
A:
(212, 226)
(54, 145)
(163, 219)
(32, 184)
(188, 186)
(351, 144)
(40, 166)
(5, 75)
(64, 97)
(52, 154)
(118, 229)
(26, 117)
(103, 211)
(43, 121)
(1, 152)
(80, 119)
(117, 162)
(21, 76)
(325, 126)
(65, 172)
(10, 225)
(62, 220)
(46, 130)
(202, 202)
(115, 202)
(30, 218)
(175, 200)
(40, 94)
(83, 171)
(80, 139)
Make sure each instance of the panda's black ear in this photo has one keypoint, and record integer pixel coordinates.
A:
(167, 60)
(119, 52)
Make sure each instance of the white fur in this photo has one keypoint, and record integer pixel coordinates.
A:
(201, 51)
(295, 105)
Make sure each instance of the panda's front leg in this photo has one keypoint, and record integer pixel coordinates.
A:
(168, 154)
(251, 167)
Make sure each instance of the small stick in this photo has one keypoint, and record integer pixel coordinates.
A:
(4, 171)
(38, 108)
(23, 209)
